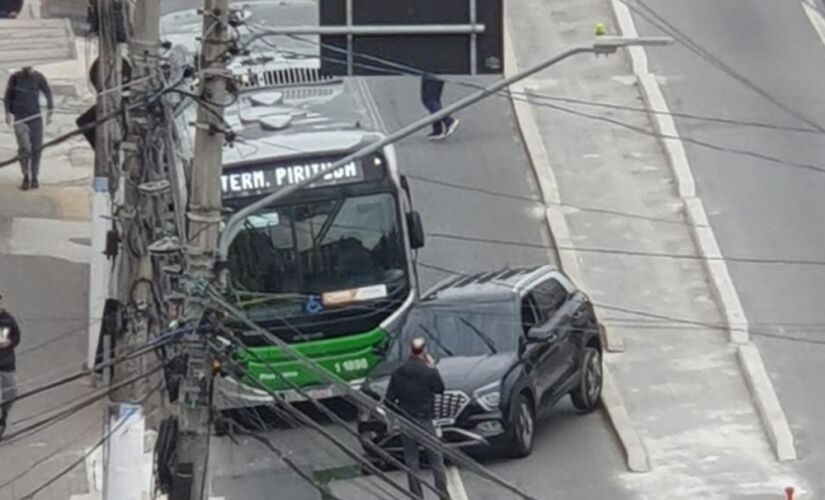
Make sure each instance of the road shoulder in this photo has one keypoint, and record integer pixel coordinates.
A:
(617, 194)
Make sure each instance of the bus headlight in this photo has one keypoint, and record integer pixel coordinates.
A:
(489, 396)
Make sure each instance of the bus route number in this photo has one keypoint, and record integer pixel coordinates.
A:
(352, 365)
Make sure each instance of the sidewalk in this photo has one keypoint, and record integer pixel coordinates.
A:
(681, 383)
(44, 252)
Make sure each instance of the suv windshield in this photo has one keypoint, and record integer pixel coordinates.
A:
(454, 329)
(288, 260)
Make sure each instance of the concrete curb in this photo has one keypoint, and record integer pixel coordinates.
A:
(635, 452)
(539, 159)
(759, 384)
(753, 369)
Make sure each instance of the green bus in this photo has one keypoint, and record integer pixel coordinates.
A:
(330, 268)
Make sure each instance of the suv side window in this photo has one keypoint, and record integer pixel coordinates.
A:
(529, 317)
(550, 295)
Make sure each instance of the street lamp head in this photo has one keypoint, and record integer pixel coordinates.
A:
(609, 44)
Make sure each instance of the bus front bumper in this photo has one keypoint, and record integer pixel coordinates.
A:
(230, 393)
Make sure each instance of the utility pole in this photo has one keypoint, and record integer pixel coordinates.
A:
(203, 220)
(123, 453)
(134, 274)
(106, 80)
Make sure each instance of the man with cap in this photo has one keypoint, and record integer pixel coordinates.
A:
(22, 103)
(9, 338)
(412, 390)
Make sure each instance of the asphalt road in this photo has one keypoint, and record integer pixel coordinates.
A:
(446, 181)
(760, 208)
(476, 185)
(48, 296)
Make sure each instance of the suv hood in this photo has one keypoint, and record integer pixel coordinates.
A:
(464, 373)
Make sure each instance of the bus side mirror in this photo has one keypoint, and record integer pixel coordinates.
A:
(416, 229)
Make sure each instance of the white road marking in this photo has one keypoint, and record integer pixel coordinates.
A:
(50, 238)
(455, 486)
(816, 18)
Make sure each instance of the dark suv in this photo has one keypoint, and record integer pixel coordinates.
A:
(508, 344)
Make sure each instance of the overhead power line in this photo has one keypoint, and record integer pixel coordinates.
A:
(657, 20)
(73, 409)
(31, 494)
(140, 351)
(671, 319)
(632, 253)
(366, 402)
(309, 422)
(291, 464)
(326, 411)
(528, 97)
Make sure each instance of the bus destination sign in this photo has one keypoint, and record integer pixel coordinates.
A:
(269, 178)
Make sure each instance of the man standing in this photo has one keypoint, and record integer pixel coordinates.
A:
(9, 338)
(431, 90)
(22, 103)
(412, 389)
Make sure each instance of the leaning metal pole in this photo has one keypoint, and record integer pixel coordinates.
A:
(602, 45)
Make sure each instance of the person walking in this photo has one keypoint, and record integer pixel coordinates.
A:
(22, 102)
(9, 338)
(431, 90)
(412, 390)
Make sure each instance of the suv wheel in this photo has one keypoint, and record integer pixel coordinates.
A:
(587, 395)
(523, 427)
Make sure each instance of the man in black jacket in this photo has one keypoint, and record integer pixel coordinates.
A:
(22, 102)
(412, 390)
(9, 338)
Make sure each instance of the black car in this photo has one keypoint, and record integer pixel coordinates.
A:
(508, 344)
(10, 8)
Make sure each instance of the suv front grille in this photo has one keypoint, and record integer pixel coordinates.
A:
(448, 406)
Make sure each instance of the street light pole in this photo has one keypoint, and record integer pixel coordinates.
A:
(602, 45)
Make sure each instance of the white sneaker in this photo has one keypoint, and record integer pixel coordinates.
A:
(451, 128)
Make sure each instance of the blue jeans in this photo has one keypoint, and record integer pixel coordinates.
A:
(431, 90)
(412, 458)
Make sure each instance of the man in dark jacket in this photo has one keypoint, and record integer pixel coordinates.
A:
(9, 338)
(412, 390)
(22, 102)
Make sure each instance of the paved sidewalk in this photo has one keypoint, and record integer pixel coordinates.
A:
(35, 40)
(681, 382)
(44, 252)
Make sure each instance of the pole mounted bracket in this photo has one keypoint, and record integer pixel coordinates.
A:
(166, 246)
(155, 188)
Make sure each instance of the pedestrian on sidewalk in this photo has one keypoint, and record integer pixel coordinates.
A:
(22, 102)
(9, 338)
(412, 390)
(431, 90)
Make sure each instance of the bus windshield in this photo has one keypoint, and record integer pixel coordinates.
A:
(304, 258)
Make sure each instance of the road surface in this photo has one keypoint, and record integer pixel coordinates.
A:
(761, 208)
(477, 184)
(485, 154)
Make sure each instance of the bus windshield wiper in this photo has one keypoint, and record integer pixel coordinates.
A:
(435, 339)
(483, 336)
